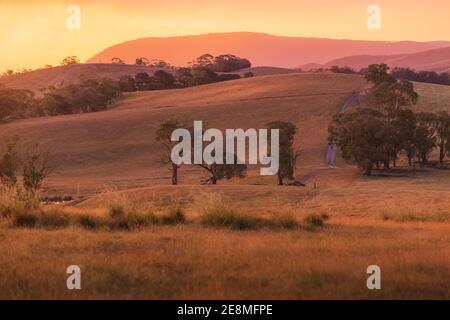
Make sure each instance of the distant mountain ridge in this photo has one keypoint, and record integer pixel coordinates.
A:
(261, 49)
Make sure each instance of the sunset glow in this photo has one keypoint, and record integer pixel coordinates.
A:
(34, 33)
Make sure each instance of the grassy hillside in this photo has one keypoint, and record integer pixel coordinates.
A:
(117, 146)
(66, 75)
(399, 222)
(73, 74)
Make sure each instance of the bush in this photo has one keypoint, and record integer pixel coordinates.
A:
(131, 221)
(15, 200)
(175, 215)
(313, 221)
(117, 210)
(54, 219)
(25, 219)
(284, 221)
(91, 222)
(219, 213)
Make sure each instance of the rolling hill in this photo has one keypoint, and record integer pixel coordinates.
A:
(66, 75)
(116, 147)
(437, 60)
(261, 49)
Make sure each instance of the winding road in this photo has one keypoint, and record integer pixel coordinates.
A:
(359, 99)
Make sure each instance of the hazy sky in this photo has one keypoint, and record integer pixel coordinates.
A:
(34, 33)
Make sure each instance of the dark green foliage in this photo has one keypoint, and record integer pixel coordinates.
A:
(344, 70)
(35, 169)
(9, 164)
(16, 104)
(378, 73)
(288, 156)
(25, 219)
(363, 136)
(221, 63)
(54, 219)
(88, 96)
(421, 76)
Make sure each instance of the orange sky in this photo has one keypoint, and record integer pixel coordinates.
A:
(33, 33)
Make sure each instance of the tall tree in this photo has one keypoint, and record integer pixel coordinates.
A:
(443, 134)
(164, 137)
(287, 155)
(363, 136)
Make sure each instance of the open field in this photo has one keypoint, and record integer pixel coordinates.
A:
(401, 224)
(399, 221)
(191, 262)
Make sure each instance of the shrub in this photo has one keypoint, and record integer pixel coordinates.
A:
(416, 217)
(54, 219)
(25, 219)
(15, 200)
(219, 213)
(175, 215)
(91, 222)
(284, 221)
(313, 221)
(117, 210)
(131, 221)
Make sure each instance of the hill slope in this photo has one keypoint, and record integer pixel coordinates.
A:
(117, 146)
(432, 60)
(65, 75)
(261, 49)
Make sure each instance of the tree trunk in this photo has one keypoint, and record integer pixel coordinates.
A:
(174, 174)
(424, 159)
(441, 152)
(387, 164)
(368, 170)
(213, 180)
(280, 179)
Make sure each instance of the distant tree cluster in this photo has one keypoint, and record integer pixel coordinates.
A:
(375, 137)
(403, 73)
(221, 63)
(16, 104)
(97, 95)
(345, 70)
(422, 76)
(181, 78)
(88, 96)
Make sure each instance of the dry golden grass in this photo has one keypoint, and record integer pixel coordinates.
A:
(191, 262)
(399, 221)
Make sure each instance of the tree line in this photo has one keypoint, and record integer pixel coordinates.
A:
(376, 136)
(97, 95)
(404, 73)
(87, 96)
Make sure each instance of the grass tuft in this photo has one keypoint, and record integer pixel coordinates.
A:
(313, 221)
(25, 219)
(54, 218)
